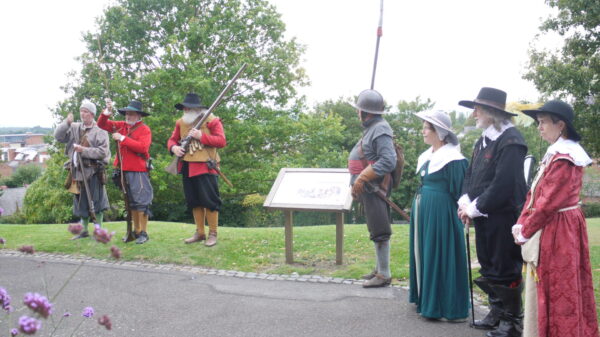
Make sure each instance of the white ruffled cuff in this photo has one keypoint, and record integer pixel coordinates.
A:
(516, 229)
(472, 210)
(464, 200)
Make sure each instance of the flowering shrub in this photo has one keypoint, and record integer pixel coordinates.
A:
(5, 300)
(41, 308)
(102, 235)
(29, 325)
(105, 321)
(75, 228)
(115, 252)
(88, 312)
(27, 249)
(38, 303)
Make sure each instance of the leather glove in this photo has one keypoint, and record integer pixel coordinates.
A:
(365, 176)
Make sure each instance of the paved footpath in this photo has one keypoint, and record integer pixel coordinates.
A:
(165, 300)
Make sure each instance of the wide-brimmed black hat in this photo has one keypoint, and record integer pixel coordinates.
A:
(191, 101)
(561, 110)
(136, 106)
(491, 98)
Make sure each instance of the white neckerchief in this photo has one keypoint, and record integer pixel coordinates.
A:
(570, 147)
(493, 134)
(439, 159)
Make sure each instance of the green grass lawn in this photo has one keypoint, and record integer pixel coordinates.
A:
(259, 250)
(243, 249)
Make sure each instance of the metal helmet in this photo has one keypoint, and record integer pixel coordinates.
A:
(370, 101)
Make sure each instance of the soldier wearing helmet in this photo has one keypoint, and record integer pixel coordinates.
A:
(370, 163)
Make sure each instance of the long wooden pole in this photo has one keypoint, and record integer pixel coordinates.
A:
(379, 34)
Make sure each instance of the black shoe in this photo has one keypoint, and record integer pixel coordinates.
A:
(81, 235)
(142, 237)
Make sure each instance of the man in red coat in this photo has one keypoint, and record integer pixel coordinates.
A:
(134, 139)
(199, 165)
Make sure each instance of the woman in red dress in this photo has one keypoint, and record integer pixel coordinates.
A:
(552, 229)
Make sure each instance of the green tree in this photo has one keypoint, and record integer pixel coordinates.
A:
(573, 72)
(46, 200)
(407, 130)
(158, 50)
(349, 119)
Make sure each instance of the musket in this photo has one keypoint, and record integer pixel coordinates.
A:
(185, 143)
(125, 188)
(91, 211)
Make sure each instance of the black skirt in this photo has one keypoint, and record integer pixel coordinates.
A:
(201, 190)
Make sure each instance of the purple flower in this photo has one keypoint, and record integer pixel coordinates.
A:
(38, 303)
(5, 300)
(29, 325)
(27, 249)
(75, 228)
(66, 314)
(88, 312)
(14, 332)
(102, 235)
(2, 241)
(115, 252)
(105, 320)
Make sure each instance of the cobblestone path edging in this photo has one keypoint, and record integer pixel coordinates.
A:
(295, 277)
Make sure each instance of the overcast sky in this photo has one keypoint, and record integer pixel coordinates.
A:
(438, 49)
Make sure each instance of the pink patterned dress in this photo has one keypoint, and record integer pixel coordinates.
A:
(565, 292)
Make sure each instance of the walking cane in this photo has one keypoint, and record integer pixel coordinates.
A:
(470, 277)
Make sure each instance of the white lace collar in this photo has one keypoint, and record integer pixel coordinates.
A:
(570, 147)
(493, 134)
(439, 159)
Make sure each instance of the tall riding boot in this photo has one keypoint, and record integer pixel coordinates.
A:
(212, 217)
(511, 319)
(199, 216)
(492, 319)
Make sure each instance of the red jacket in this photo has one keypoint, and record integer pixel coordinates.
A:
(134, 148)
(215, 139)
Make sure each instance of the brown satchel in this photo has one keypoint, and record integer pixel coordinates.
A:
(70, 183)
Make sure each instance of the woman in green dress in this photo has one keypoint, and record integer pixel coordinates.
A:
(438, 263)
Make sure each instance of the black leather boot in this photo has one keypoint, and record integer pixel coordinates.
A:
(511, 319)
(492, 319)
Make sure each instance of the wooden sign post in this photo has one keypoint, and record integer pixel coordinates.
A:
(319, 190)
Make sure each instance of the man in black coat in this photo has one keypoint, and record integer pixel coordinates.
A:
(494, 191)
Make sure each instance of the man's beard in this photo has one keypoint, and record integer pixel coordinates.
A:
(482, 124)
(190, 116)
